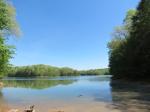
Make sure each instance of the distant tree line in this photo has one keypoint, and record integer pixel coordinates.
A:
(104, 71)
(46, 70)
(129, 50)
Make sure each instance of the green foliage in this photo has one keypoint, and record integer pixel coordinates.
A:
(129, 54)
(117, 46)
(104, 71)
(8, 26)
(46, 70)
(6, 52)
(68, 71)
(139, 43)
(35, 70)
(40, 70)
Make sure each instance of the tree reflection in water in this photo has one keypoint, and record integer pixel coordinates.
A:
(131, 97)
(36, 84)
(28, 83)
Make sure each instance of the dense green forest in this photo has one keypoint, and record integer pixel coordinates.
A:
(46, 70)
(129, 50)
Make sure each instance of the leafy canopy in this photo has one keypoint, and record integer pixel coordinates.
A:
(8, 27)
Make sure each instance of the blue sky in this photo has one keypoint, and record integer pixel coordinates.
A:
(71, 33)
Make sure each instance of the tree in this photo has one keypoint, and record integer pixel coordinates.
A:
(117, 46)
(139, 41)
(6, 52)
(8, 24)
(130, 56)
(8, 27)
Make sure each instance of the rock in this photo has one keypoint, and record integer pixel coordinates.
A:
(30, 110)
(1, 84)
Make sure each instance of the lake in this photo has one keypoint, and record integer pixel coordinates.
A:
(74, 94)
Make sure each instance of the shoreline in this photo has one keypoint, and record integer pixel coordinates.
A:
(87, 107)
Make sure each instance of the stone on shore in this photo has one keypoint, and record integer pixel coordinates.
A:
(1, 84)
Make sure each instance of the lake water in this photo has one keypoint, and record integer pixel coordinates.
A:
(74, 94)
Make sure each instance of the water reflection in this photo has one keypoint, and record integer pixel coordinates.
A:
(35, 84)
(131, 97)
(83, 90)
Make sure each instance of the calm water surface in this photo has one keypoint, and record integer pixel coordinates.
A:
(77, 94)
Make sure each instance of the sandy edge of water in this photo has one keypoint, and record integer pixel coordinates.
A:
(100, 107)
